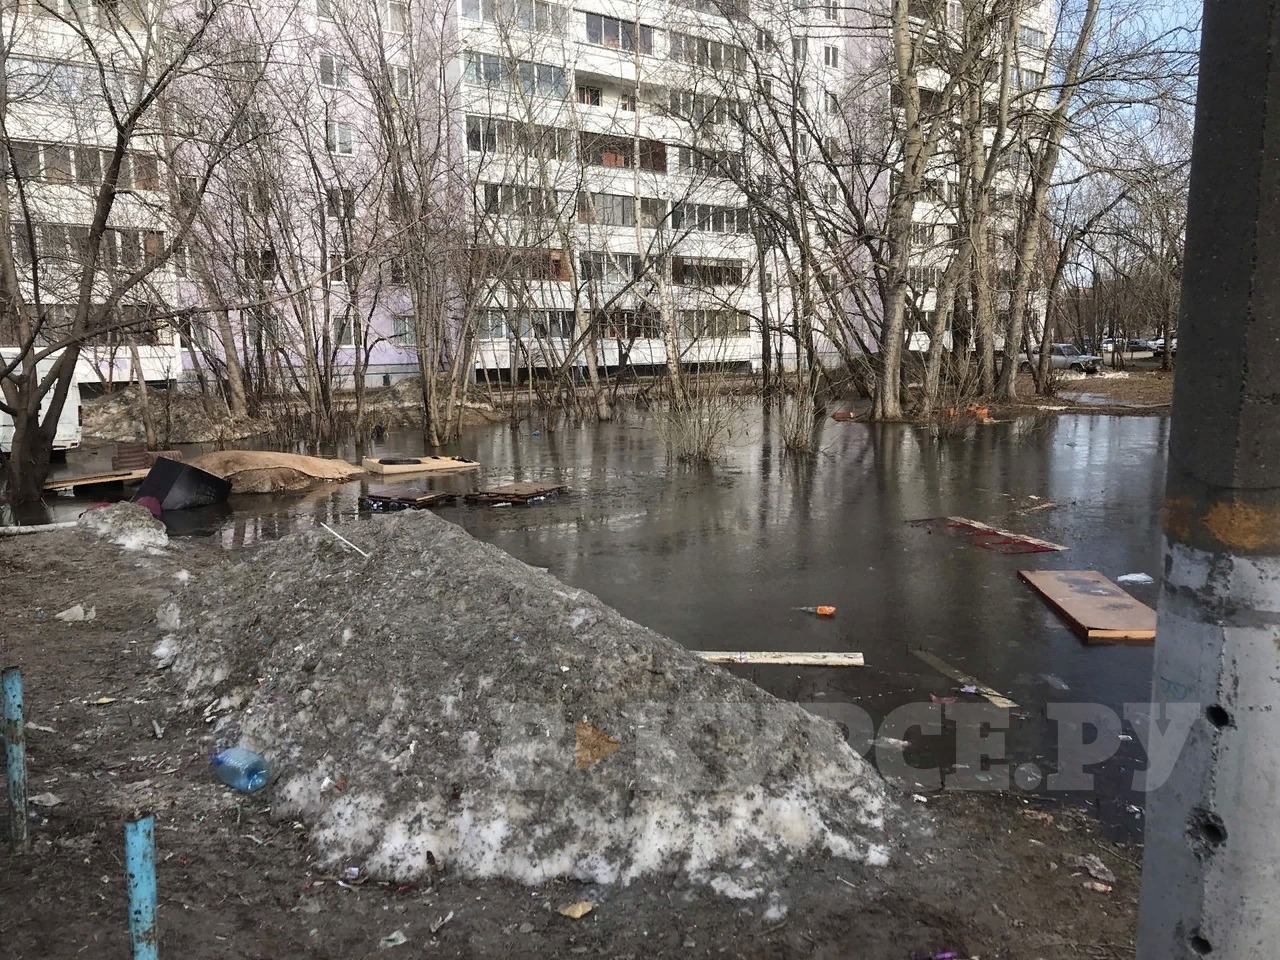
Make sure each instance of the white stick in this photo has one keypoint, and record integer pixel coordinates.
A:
(344, 540)
(36, 528)
(782, 658)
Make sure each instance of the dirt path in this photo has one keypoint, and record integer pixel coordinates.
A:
(985, 875)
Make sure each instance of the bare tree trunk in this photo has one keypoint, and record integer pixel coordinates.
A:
(231, 355)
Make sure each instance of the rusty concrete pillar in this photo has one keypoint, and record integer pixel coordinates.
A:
(1211, 875)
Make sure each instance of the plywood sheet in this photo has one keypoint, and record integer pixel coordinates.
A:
(1098, 610)
(98, 479)
(390, 466)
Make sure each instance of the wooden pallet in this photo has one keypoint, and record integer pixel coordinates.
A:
(391, 466)
(1097, 609)
(381, 503)
(516, 493)
(117, 479)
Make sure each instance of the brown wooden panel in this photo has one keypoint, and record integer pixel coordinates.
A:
(1097, 609)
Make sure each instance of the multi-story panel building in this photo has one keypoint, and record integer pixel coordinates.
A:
(518, 185)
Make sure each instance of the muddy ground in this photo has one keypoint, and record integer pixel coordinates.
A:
(984, 875)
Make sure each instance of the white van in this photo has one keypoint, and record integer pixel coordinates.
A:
(69, 432)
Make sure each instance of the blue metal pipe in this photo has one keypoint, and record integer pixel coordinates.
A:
(140, 878)
(15, 750)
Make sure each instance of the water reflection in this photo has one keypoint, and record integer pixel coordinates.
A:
(718, 556)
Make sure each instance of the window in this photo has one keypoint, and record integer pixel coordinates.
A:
(799, 48)
(402, 330)
(717, 324)
(146, 171)
(324, 9)
(180, 260)
(610, 267)
(607, 208)
(333, 72)
(152, 246)
(653, 212)
(340, 203)
(344, 329)
(589, 96)
(188, 192)
(627, 103)
(921, 236)
(629, 325)
(88, 165)
(338, 138)
(395, 16)
(400, 81)
(710, 218)
(832, 10)
(1031, 38)
(701, 52)
(251, 195)
(342, 269)
(833, 103)
(764, 40)
(1029, 79)
(128, 248)
(606, 151)
(618, 34)
(260, 264)
(715, 163)
(397, 270)
(705, 272)
(57, 163)
(831, 56)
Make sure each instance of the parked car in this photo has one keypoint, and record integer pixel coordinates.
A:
(1066, 356)
(1141, 346)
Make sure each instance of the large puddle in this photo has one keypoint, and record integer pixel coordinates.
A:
(719, 556)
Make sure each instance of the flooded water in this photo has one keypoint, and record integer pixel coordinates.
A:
(719, 556)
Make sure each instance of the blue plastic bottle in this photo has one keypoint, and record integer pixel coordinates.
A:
(242, 769)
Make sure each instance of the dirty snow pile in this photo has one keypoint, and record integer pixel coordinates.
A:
(442, 703)
(127, 525)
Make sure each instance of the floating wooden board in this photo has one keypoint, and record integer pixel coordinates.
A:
(389, 466)
(844, 416)
(380, 503)
(782, 658)
(120, 478)
(988, 537)
(1097, 609)
(516, 493)
(995, 696)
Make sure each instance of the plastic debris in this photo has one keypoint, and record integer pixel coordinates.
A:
(577, 910)
(1096, 887)
(919, 798)
(969, 688)
(76, 614)
(241, 769)
(819, 611)
(392, 940)
(103, 701)
(934, 698)
(1094, 866)
(45, 799)
(1135, 578)
(440, 922)
(1055, 681)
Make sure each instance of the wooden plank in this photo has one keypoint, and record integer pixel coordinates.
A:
(1097, 609)
(782, 658)
(417, 465)
(983, 529)
(995, 696)
(97, 479)
(516, 493)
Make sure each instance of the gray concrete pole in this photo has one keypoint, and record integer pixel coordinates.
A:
(1211, 875)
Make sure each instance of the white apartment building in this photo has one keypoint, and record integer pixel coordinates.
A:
(588, 147)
